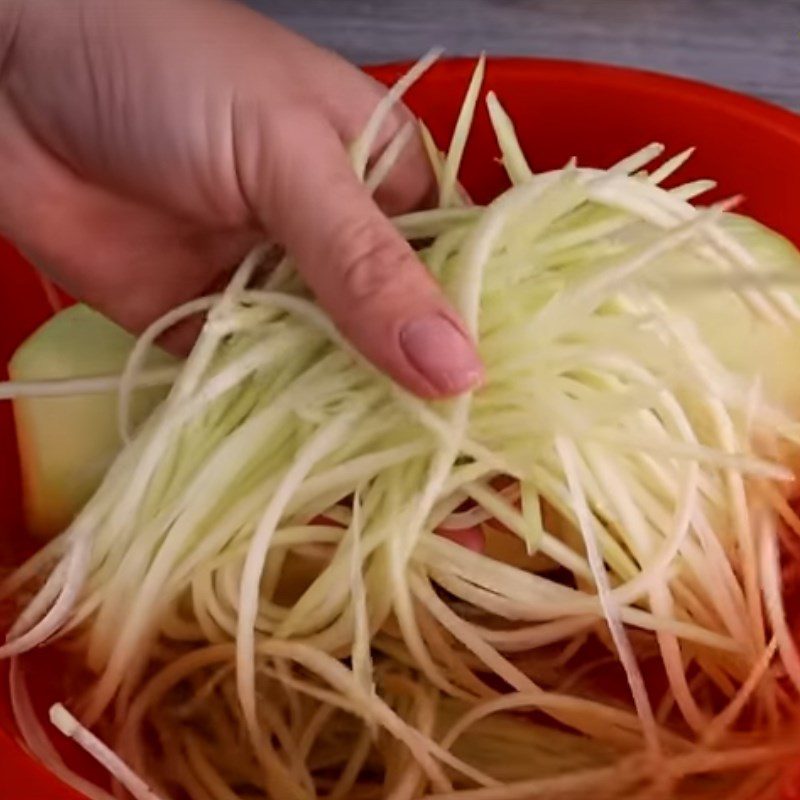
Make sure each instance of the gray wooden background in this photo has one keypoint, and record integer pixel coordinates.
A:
(749, 45)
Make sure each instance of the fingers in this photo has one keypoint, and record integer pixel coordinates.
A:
(129, 260)
(411, 183)
(215, 145)
(472, 538)
(362, 271)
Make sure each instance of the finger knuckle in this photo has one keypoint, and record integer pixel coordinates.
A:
(374, 261)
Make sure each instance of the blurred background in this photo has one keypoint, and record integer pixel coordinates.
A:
(749, 45)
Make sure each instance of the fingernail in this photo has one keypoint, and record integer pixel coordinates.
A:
(442, 353)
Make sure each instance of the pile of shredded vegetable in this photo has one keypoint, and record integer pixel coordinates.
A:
(259, 601)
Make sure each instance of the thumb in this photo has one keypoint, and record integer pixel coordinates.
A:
(363, 273)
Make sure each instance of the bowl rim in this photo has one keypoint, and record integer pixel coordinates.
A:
(732, 102)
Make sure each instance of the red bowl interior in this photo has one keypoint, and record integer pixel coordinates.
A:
(561, 109)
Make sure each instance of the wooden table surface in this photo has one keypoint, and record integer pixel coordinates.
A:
(749, 45)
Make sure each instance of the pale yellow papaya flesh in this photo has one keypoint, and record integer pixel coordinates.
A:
(67, 443)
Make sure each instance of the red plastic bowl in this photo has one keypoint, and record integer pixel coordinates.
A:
(561, 109)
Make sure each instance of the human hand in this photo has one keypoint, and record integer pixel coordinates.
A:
(148, 144)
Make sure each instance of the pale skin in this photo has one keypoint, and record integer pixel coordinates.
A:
(147, 145)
